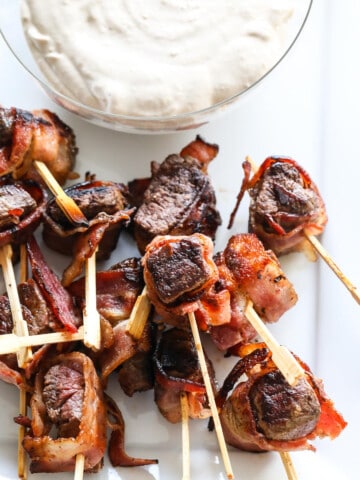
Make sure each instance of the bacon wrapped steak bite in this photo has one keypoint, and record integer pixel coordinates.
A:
(106, 209)
(258, 273)
(46, 307)
(39, 135)
(179, 199)
(246, 272)
(177, 370)
(177, 272)
(68, 397)
(284, 204)
(116, 292)
(263, 412)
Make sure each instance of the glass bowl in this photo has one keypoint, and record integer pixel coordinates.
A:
(12, 32)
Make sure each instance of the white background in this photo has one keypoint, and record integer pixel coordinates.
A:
(309, 109)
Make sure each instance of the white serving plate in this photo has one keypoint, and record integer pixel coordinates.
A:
(318, 128)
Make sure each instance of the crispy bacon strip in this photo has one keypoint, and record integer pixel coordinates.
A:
(203, 151)
(117, 454)
(116, 289)
(123, 347)
(257, 272)
(263, 412)
(54, 293)
(246, 271)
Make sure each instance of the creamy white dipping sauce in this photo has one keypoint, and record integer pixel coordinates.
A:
(155, 57)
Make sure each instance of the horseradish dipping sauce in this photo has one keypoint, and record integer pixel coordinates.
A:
(155, 57)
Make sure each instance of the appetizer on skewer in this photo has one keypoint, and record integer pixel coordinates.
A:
(22, 204)
(287, 211)
(246, 271)
(177, 271)
(47, 308)
(262, 412)
(39, 145)
(179, 198)
(284, 204)
(116, 294)
(21, 207)
(106, 209)
(241, 271)
(67, 396)
(182, 275)
(39, 135)
(177, 370)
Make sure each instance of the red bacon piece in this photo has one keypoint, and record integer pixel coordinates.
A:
(57, 297)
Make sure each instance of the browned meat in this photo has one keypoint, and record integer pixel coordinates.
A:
(177, 370)
(9, 371)
(21, 207)
(15, 202)
(263, 412)
(63, 396)
(180, 199)
(177, 272)
(136, 374)
(284, 412)
(285, 202)
(6, 321)
(40, 135)
(41, 320)
(93, 198)
(68, 397)
(106, 209)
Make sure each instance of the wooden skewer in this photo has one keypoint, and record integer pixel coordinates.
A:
(139, 315)
(289, 466)
(24, 355)
(22, 463)
(12, 343)
(323, 253)
(185, 436)
(79, 466)
(286, 363)
(325, 256)
(210, 395)
(22, 458)
(281, 356)
(66, 203)
(91, 317)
